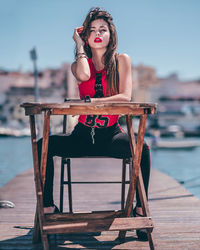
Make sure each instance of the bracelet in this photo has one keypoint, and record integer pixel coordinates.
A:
(81, 56)
(83, 53)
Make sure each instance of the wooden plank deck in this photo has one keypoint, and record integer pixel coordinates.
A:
(174, 210)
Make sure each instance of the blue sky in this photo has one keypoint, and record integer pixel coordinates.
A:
(164, 34)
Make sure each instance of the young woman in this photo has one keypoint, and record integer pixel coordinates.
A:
(104, 76)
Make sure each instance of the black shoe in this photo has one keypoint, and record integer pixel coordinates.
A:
(141, 233)
(56, 210)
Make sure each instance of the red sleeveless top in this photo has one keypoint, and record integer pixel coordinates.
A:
(96, 87)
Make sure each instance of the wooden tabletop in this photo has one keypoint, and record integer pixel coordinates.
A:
(77, 107)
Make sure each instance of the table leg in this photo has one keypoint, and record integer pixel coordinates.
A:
(145, 208)
(38, 186)
(36, 232)
(40, 178)
(136, 151)
(45, 142)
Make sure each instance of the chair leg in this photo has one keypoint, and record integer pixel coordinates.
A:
(68, 182)
(130, 173)
(123, 183)
(69, 185)
(62, 184)
(130, 168)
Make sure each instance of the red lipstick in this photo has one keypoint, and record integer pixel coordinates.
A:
(97, 40)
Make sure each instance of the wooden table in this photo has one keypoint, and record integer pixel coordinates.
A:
(93, 221)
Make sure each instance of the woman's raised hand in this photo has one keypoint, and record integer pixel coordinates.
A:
(76, 36)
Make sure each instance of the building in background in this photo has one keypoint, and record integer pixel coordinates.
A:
(144, 77)
(16, 87)
(57, 84)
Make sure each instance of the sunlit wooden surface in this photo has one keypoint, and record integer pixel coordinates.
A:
(175, 212)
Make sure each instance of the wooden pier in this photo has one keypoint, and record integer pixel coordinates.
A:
(175, 212)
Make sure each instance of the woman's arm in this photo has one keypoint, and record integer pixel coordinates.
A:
(80, 68)
(125, 81)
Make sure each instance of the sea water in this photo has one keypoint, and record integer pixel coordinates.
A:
(15, 157)
(182, 165)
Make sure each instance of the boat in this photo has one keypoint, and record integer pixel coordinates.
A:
(10, 132)
(175, 144)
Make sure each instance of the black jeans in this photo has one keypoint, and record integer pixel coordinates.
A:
(111, 141)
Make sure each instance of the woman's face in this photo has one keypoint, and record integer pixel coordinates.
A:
(99, 34)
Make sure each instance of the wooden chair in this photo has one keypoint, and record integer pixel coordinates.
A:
(68, 182)
(67, 162)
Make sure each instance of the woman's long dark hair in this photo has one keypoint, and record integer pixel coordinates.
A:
(110, 56)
